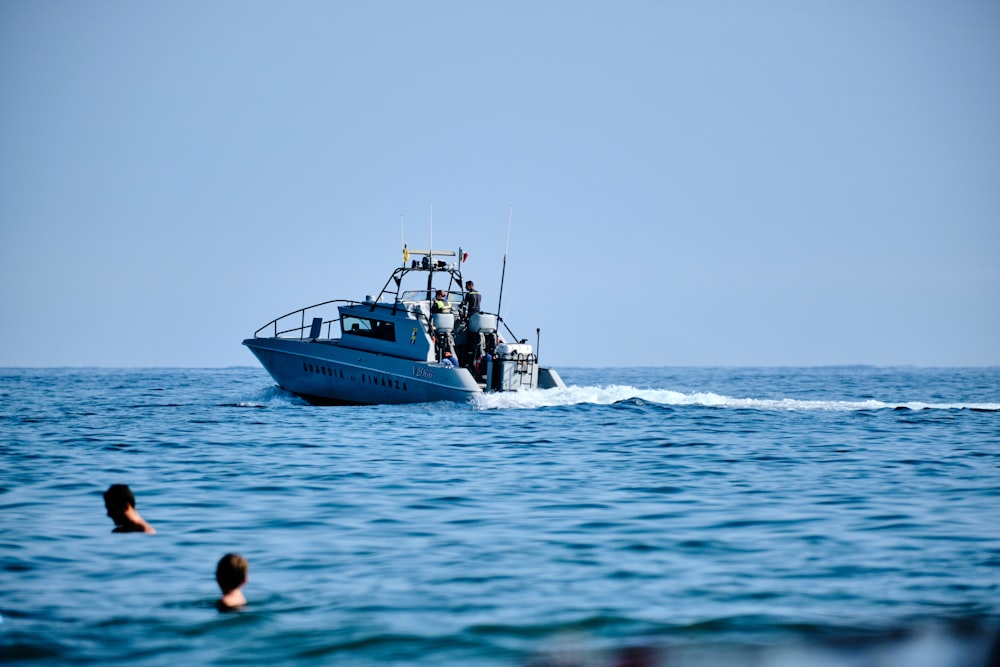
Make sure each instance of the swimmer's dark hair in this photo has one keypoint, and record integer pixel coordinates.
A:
(119, 495)
(231, 572)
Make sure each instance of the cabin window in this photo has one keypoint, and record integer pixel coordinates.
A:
(369, 328)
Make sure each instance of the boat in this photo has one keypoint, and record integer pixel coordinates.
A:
(407, 345)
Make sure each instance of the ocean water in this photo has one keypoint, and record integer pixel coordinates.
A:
(641, 517)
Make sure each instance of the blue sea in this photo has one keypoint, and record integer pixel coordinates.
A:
(642, 517)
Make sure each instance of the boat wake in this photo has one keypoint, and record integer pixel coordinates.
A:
(611, 394)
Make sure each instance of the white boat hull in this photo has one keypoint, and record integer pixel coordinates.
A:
(325, 372)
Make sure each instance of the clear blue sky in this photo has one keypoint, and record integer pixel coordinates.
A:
(697, 183)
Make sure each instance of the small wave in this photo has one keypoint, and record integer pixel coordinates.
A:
(614, 394)
(266, 398)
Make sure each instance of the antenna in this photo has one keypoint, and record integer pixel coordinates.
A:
(430, 254)
(503, 273)
(402, 237)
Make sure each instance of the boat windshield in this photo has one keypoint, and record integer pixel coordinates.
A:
(421, 295)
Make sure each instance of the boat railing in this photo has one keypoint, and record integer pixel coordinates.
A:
(299, 322)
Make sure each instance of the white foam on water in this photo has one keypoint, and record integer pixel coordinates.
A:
(270, 397)
(607, 395)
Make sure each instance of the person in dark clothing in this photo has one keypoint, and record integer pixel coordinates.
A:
(473, 299)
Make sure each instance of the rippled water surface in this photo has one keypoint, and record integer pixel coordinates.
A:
(833, 516)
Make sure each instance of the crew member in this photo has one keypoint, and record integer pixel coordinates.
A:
(441, 303)
(473, 298)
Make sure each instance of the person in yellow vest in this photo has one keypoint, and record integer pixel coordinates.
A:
(441, 303)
